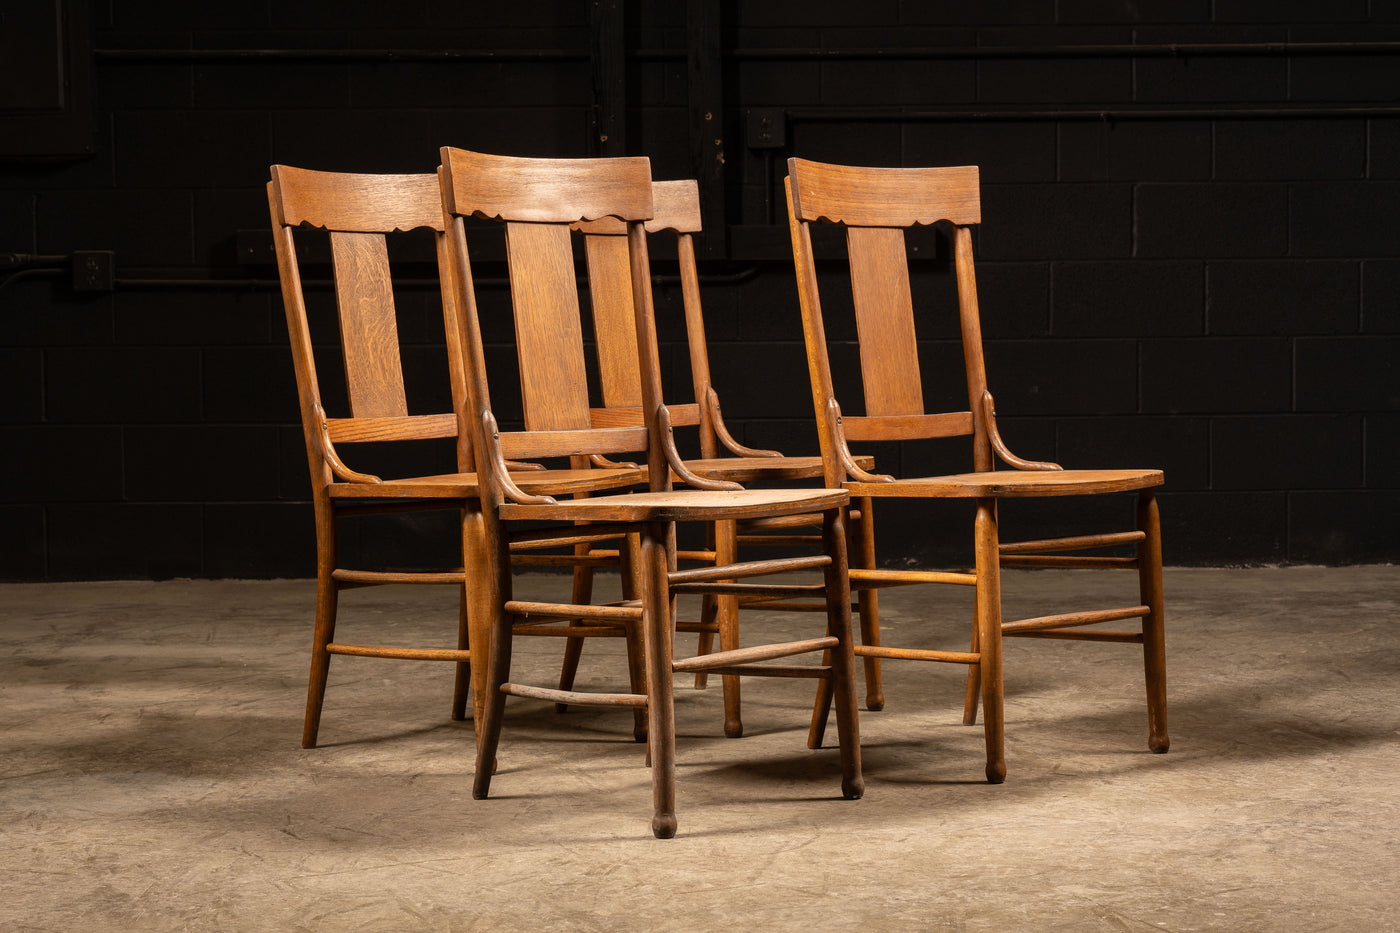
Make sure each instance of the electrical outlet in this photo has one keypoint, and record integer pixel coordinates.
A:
(94, 270)
(767, 128)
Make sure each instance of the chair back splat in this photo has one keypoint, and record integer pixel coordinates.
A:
(538, 201)
(876, 206)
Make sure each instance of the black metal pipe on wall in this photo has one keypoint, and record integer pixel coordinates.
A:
(896, 115)
(447, 56)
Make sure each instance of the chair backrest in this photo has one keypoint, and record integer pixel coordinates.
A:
(539, 200)
(876, 205)
(359, 212)
(676, 209)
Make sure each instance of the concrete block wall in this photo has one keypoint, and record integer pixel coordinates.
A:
(1216, 295)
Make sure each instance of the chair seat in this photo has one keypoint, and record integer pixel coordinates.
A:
(1011, 483)
(462, 485)
(682, 505)
(758, 469)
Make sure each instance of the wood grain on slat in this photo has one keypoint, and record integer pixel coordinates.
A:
(1067, 560)
(675, 206)
(548, 335)
(535, 610)
(889, 353)
(775, 670)
(547, 190)
(566, 443)
(686, 414)
(748, 569)
(1070, 619)
(899, 197)
(356, 203)
(401, 654)
(906, 427)
(402, 428)
(573, 697)
(376, 577)
(369, 334)
(1075, 543)
(614, 321)
(754, 654)
(916, 654)
(862, 577)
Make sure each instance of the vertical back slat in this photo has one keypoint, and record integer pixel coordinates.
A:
(614, 320)
(548, 334)
(889, 356)
(368, 327)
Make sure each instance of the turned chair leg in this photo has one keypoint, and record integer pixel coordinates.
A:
(842, 658)
(661, 732)
(1154, 648)
(492, 706)
(630, 552)
(989, 637)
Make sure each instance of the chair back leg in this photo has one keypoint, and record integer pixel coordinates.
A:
(1154, 646)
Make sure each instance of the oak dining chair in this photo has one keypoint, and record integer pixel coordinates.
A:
(676, 214)
(359, 215)
(537, 200)
(876, 206)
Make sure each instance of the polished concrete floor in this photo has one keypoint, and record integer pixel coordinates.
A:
(151, 776)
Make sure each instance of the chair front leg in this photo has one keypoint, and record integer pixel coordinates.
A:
(989, 637)
(630, 551)
(488, 576)
(661, 721)
(842, 657)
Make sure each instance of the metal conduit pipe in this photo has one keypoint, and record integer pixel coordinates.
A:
(336, 56)
(391, 56)
(1146, 50)
(1105, 114)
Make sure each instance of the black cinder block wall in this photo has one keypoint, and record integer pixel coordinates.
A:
(1190, 254)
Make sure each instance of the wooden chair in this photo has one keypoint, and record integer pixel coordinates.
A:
(538, 199)
(875, 206)
(677, 212)
(359, 212)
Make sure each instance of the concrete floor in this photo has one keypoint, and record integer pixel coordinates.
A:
(151, 776)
